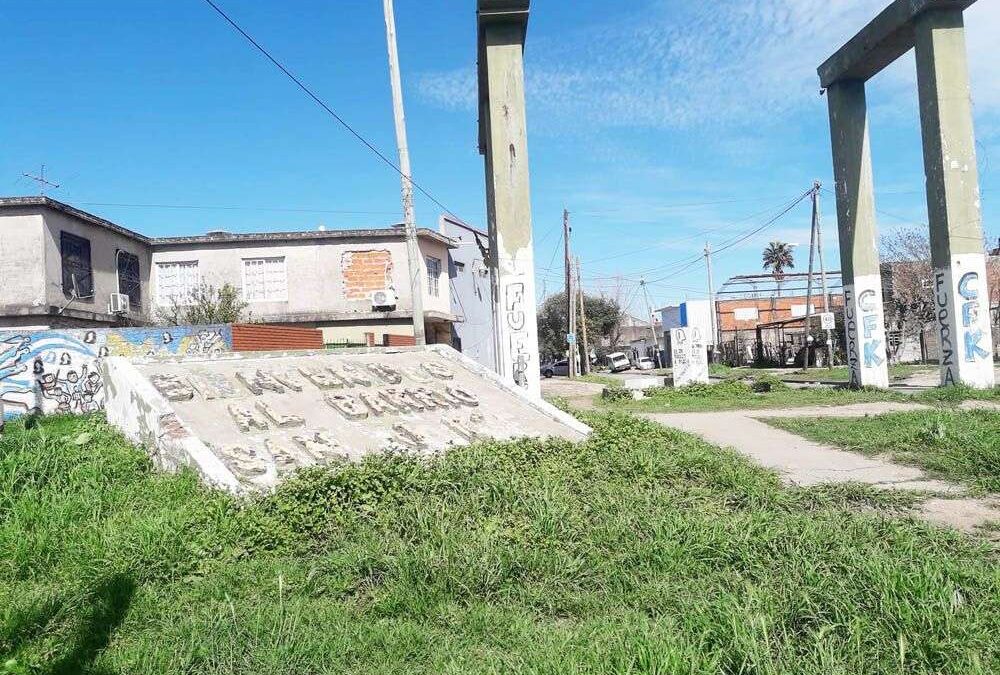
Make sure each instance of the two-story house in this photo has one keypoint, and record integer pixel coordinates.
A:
(61, 266)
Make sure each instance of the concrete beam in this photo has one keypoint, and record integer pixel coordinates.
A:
(953, 200)
(864, 318)
(491, 13)
(885, 39)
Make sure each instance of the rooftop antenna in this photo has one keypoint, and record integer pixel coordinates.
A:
(40, 179)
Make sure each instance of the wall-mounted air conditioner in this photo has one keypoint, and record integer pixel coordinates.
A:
(383, 298)
(118, 304)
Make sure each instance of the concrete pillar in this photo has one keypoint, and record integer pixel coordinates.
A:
(953, 206)
(864, 319)
(504, 143)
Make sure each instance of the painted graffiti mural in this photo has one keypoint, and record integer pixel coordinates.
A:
(56, 371)
(963, 322)
(689, 356)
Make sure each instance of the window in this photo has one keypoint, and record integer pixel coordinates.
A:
(77, 274)
(800, 310)
(746, 314)
(265, 279)
(433, 276)
(176, 282)
(129, 279)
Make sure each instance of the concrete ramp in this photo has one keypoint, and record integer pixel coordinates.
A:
(244, 422)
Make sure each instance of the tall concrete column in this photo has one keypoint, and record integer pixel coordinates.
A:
(953, 206)
(503, 140)
(864, 319)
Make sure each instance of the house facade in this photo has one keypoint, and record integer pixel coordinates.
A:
(62, 267)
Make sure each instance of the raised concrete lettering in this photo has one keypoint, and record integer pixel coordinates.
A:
(280, 412)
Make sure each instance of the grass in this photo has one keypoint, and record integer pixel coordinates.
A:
(737, 395)
(595, 378)
(641, 550)
(897, 372)
(953, 444)
(734, 394)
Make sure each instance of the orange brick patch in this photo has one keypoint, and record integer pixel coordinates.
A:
(366, 271)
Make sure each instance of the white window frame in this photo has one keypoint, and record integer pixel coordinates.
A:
(164, 300)
(247, 262)
(433, 281)
(746, 314)
(799, 311)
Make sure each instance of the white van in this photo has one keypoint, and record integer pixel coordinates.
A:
(618, 362)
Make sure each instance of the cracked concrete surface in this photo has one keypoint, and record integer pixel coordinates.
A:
(803, 462)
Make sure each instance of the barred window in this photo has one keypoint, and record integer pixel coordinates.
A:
(265, 279)
(176, 282)
(77, 273)
(433, 276)
(129, 278)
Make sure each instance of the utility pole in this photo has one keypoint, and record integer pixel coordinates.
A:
(409, 220)
(822, 275)
(570, 300)
(585, 363)
(809, 276)
(713, 319)
(652, 324)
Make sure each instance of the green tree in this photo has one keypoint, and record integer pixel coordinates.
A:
(208, 305)
(777, 257)
(603, 321)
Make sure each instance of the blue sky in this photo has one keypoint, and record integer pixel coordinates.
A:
(658, 123)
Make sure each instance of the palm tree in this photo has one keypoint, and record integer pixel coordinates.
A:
(777, 257)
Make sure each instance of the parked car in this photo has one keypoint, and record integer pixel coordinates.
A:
(645, 363)
(555, 368)
(618, 362)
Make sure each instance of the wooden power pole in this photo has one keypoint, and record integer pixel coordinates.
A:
(409, 219)
(570, 299)
(581, 300)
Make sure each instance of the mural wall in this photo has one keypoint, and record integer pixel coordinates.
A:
(55, 371)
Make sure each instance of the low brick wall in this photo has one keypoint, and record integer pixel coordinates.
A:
(251, 337)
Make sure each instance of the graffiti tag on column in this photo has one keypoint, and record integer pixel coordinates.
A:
(870, 322)
(944, 326)
(970, 317)
(851, 325)
(516, 318)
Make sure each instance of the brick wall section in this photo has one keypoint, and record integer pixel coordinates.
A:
(366, 271)
(389, 340)
(770, 309)
(250, 337)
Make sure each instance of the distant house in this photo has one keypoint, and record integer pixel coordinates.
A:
(64, 267)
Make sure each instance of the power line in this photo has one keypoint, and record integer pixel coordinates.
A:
(388, 162)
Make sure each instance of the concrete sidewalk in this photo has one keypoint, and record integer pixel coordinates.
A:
(803, 462)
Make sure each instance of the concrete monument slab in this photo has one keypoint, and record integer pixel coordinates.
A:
(246, 421)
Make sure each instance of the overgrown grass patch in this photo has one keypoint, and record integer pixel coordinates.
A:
(763, 391)
(954, 444)
(641, 550)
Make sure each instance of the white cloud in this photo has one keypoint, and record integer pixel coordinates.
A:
(670, 65)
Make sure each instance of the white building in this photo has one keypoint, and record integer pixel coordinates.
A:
(63, 267)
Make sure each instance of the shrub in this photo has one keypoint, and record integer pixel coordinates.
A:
(616, 394)
(765, 383)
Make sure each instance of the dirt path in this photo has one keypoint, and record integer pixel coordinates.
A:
(804, 462)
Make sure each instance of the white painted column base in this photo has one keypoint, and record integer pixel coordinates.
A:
(961, 301)
(864, 324)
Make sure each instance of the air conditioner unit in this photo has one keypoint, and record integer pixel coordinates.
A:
(383, 298)
(118, 304)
